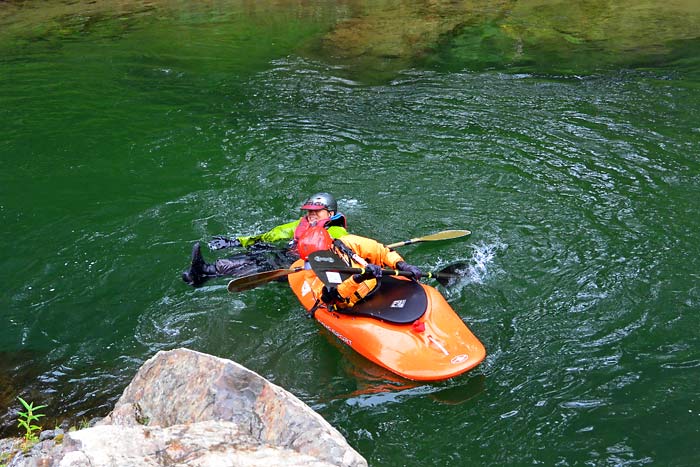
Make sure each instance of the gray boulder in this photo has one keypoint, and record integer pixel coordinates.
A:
(186, 408)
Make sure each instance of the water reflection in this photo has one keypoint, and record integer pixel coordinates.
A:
(375, 40)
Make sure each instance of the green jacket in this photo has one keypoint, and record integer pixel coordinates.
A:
(286, 232)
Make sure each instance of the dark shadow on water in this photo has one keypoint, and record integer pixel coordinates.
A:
(67, 398)
(466, 389)
(17, 371)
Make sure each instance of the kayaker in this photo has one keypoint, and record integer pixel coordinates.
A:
(319, 209)
(358, 251)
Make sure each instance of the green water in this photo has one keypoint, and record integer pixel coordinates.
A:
(565, 137)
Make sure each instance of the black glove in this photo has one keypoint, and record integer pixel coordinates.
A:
(329, 295)
(404, 266)
(219, 242)
(371, 271)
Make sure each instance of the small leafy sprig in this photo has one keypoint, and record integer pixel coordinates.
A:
(27, 418)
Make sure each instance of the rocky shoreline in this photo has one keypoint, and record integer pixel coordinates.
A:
(187, 408)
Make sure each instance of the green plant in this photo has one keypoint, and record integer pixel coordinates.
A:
(27, 418)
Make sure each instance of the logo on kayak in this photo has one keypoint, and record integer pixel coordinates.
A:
(324, 259)
(398, 304)
(461, 358)
(338, 335)
(305, 289)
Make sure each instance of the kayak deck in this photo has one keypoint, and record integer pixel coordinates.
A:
(400, 302)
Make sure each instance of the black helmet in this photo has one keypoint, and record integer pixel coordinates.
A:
(320, 201)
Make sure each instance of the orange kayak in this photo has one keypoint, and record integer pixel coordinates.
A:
(406, 327)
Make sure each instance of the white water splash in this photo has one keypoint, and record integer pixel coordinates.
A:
(479, 267)
(482, 258)
(481, 263)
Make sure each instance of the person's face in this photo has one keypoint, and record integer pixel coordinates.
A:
(317, 215)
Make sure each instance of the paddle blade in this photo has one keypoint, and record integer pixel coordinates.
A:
(450, 275)
(445, 235)
(253, 280)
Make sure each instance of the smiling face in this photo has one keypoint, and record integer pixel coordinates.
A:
(316, 215)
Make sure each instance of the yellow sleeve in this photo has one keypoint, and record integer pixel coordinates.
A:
(336, 231)
(281, 232)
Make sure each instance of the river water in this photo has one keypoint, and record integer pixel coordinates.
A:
(564, 137)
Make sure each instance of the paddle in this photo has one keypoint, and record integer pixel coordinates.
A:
(328, 267)
(253, 280)
(444, 235)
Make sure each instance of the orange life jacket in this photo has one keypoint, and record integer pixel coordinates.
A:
(367, 251)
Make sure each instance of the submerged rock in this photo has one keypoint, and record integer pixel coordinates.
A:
(192, 409)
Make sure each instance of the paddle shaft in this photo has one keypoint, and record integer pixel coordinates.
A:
(251, 281)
